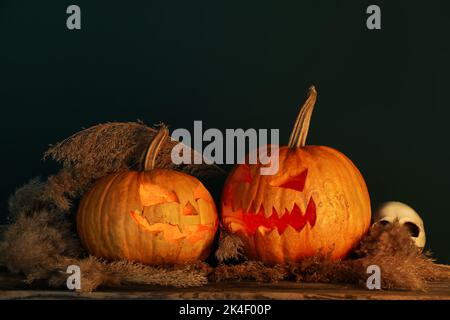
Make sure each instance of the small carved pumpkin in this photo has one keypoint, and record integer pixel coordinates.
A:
(157, 216)
(317, 202)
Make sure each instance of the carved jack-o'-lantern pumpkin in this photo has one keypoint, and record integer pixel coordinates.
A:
(156, 216)
(317, 202)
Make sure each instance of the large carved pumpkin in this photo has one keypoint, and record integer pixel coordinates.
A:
(156, 216)
(317, 203)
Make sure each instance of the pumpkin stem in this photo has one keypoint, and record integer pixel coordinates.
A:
(153, 148)
(301, 126)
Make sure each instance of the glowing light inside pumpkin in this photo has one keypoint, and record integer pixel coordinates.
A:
(296, 219)
(296, 183)
(152, 194)
(189, 210)
(252, 221)
(192, 233)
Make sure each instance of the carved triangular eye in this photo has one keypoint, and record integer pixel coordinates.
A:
(189, 210)
(296, 182)
(243, 174)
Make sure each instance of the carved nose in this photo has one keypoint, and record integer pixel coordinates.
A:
(189, 210)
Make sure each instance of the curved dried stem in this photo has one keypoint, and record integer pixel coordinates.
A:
(154, 147)
(301, 126)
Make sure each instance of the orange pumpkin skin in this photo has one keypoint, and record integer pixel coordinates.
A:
(153, 217)
(316, 204)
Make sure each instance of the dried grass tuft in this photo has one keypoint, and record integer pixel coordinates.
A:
(230, 247)
(104, 147)
(97, 273)
(249, 270)
(26, 199)
(402, 265)
(35, 242)
(179, 276)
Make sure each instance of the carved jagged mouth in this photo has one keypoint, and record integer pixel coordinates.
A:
(296, 219)
(174, 232)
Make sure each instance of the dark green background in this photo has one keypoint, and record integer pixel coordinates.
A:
(383, 95)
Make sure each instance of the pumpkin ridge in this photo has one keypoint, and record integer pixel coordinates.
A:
(110, 241)
(124, 217)
(101, 212)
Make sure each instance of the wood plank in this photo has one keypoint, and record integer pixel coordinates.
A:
(245, 290)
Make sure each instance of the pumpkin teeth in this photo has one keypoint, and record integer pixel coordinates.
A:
(258, 221)
(289, 207)
(259, 207)
(263, 230)
(268, 212)
(289, 230)
(265, 206)
(251, 207)
(278, 209)
(248, 207)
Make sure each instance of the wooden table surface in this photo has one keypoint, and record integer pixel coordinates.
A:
(12, 287)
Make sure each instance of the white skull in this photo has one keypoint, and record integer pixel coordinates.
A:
(389, 211)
